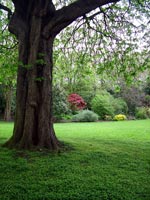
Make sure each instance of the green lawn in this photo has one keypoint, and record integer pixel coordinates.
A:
(108, 161)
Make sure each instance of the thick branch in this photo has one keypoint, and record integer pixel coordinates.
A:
(68, 14)
(2, 7)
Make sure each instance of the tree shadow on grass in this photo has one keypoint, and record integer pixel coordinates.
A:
(3, 140)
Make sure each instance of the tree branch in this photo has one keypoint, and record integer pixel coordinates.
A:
(68, 14)
(2, 7)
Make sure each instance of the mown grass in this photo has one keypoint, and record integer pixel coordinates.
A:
(108, 161)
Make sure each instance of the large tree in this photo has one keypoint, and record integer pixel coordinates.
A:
(36, 23)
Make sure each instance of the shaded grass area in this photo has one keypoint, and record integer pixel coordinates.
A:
(109, 161)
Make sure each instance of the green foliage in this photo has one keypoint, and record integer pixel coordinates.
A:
(81, 66)
(147, 100)
(120, 106)
(39, 79)
(133, 96)
(102, 105)
(8, 69)
(147, 87)
(87, 94)
(8, 64)
(66, 117)
(77, 74)
(85, 116)
(142, 113)
(60, 104)
(120, 117)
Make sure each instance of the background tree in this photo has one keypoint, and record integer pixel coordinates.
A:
(8, 65)
(8, 81)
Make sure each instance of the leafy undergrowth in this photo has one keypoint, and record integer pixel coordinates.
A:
(108, 161)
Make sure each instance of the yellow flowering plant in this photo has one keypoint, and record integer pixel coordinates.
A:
(120, 117)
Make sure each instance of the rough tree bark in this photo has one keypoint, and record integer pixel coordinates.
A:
(33, 121)
(36, 23)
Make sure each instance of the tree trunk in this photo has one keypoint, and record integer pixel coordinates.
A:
(33, 121)
(8, 99)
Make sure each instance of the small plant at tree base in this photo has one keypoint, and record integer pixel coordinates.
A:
(85, 116)
(76, 102)
(120, 117)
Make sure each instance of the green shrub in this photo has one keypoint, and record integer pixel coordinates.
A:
(85, 116)
(147, 100)
(120, 117)
(148, 112)
(87, 96)
(141, 113)
(102, 105)
(66, 117)
(120, 106)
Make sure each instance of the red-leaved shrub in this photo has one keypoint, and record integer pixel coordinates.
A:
(76, 102)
